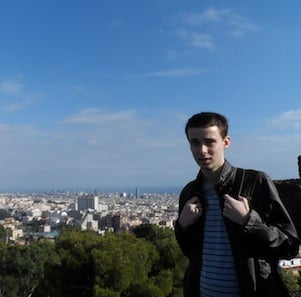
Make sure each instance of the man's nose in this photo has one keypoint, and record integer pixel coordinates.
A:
(203, 148)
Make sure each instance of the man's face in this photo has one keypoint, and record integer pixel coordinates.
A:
(207, 147)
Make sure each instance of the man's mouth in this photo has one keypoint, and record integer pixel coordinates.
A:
(204, 160)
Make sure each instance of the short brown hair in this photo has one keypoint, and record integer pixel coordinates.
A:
(207, 119)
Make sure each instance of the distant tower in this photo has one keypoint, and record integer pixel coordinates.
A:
(137, 193)
(299, 165)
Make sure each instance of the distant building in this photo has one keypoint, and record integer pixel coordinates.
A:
(4, 214)
(75, 214)
(87, 202)
(45, 228)
(14, 234)
(293, 265)
(89, 223)
(35, 213)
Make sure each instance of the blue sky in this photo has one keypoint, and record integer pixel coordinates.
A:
(96, 93)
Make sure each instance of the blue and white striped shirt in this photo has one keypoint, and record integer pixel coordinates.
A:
(218, 274)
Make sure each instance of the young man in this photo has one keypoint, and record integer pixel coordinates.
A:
(232, 225)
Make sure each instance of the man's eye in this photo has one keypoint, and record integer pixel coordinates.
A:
(194, 142)
(209, 142)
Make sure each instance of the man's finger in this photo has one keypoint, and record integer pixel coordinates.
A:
(244, 200)
(193, 200)
(228, 197)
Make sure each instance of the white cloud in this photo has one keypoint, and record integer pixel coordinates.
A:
(99, 116)
(95, 148)
(78, 88)
(19, 105)
(208, 16)
(14, 107)
(171, 53)
(4, 128)
(202, 29)
(200, 40)
(226, 18)
(11, 87)
(185, 72)
(13, 90)
(287, 120)
(269, 153)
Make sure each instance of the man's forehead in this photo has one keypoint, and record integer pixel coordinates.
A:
(203, 131)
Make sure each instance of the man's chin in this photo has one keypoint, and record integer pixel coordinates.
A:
(205, 168)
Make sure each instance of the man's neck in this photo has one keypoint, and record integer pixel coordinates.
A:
(211, 177)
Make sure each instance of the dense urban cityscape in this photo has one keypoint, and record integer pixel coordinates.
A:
(37, 215)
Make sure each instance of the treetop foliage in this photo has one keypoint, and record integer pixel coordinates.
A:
(145, 263)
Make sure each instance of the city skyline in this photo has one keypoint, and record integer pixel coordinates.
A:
(95, 95)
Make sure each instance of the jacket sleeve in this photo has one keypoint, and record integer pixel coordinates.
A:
(270, 232)
(187, 237)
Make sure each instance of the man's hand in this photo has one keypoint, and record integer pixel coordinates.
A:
(192, 210)
(236, 210)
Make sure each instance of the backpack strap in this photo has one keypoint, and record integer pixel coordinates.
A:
(244, 183)
(239, 181)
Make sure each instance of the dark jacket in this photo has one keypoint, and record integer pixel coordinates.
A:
(268, 235)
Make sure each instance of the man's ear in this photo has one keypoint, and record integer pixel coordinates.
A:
(227, 141)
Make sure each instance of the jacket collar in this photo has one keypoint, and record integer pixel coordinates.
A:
(225, 175)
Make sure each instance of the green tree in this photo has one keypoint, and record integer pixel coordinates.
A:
(164, 281)
(22, 268)
(142, 290)
(122, 260)
(171, 258)
(75, 269)
(100, 292)
(291, 281)
(2, 234)
(85, 264)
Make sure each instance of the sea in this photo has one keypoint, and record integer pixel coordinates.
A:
(112, 189)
